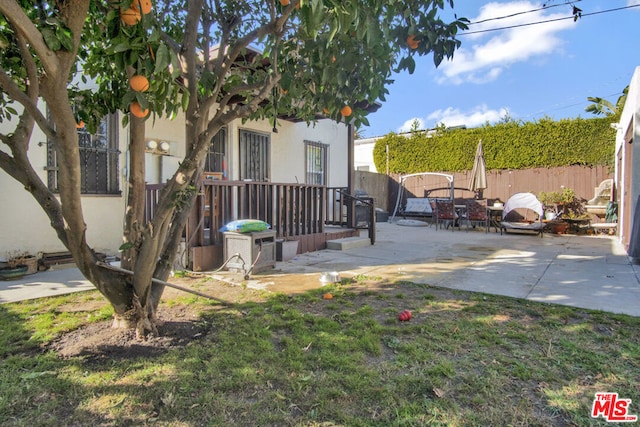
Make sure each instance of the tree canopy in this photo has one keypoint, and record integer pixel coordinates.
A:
(215, 61)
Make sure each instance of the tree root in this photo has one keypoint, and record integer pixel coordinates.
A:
(142, 319)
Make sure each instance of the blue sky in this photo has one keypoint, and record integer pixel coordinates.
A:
(527, 72)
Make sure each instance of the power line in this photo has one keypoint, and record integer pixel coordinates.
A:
(548, 20)
(544, 7)
(558, 107)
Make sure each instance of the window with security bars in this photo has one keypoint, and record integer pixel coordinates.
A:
(254, 156)
(316, 162)
(216, 157)
(99, 154)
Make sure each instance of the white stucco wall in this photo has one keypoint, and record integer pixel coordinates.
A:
(363, 154)
(288, 151)
(629, 181)
(25, 227)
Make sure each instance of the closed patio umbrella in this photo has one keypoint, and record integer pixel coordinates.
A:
(478, 180)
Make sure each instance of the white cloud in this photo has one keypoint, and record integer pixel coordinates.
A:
(482, 57)
(632, 2)
(450, 116)
(475, 117)
(408, 125)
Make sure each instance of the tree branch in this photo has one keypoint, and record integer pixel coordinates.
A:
(23, 25)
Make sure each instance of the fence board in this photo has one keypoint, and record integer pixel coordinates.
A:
(501, 184)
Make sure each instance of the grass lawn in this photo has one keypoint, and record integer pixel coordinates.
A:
(464, 359)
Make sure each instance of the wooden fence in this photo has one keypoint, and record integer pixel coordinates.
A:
(501, 184)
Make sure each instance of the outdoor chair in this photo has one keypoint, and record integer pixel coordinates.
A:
(477, 214)
(525, 202)
(445, 214)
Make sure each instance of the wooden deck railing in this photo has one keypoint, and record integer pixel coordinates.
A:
(292, 210)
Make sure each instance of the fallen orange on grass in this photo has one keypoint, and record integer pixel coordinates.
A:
(327, 296)
(137, 111)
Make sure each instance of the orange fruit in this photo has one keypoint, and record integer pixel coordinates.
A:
(333, 58)
(285, 2)
(325, 110)
(327, 296)
(130, 16)
(412, 42)
(143, 6)
(345, 111)
(137, 111)
(139, 83)
(80, 125)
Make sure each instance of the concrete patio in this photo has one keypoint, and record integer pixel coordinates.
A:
(591, 272)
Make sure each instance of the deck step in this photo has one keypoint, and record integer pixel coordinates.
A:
(348, 243)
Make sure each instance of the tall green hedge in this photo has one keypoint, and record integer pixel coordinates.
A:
(510, 145)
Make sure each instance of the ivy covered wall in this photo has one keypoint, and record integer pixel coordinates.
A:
(511, 145)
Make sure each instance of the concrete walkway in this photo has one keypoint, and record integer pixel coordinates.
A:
(591, 272)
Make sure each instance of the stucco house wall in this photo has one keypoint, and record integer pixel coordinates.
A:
(627, 165)
(363, 154)
(25, 227)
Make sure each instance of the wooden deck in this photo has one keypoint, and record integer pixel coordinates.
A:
(310, 214)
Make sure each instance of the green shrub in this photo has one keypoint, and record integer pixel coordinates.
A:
(508, 145)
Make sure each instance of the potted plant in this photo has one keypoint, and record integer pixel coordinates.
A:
(563, 209)
(17, 265)
(555, 202)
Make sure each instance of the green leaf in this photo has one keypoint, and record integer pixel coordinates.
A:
(162, 58)
(125, 246)
(51, 39)
(120, 47)
(411, 64)
(185, 100)
(65, 36)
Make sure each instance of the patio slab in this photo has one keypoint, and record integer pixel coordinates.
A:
(590, 272)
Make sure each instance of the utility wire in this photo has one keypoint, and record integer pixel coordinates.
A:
(524, 12)
(547, 21)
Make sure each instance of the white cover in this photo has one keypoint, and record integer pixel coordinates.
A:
(419, 205)
(525, 201)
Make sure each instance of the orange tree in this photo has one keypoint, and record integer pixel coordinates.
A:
(312, 56)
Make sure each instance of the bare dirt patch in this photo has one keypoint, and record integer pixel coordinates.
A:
(178, 324)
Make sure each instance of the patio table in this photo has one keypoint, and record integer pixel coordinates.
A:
(495, 217)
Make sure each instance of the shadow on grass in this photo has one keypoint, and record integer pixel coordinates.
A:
(463, 359)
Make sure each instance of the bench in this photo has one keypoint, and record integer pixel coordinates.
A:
(420, 207)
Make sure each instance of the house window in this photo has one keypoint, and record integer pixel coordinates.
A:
(216, 157)
(99, 156)
(316, 162)
(254, 156)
